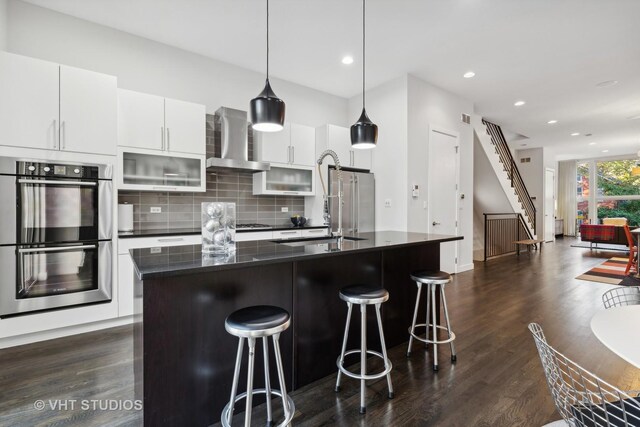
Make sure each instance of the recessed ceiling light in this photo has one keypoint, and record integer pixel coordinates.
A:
(523, 145)
(552, 122)
(588, 134)
(575, 134)
(592, 143)
(347, 60)
(605, 151)
(468, 74)
(607, 83)
(636, 117)
(519, 103)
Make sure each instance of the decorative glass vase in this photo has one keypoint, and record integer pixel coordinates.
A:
(218, 228)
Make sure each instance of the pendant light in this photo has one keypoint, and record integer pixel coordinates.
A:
(364, 133)
(267, 110)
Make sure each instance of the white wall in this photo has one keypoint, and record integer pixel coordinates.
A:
(404, 108)
(147, 66)
(387, 107)
(533, 176)
(429, 105)
(3, 24)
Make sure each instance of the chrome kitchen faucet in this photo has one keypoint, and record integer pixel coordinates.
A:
(327, 215)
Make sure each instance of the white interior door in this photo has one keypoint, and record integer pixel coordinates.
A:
(442, 195)
(549, 204)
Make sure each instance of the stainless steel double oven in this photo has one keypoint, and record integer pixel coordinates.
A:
(55, 235)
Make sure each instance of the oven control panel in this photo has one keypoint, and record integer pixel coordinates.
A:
(57, 170)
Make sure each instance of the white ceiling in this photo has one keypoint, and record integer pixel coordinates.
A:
(550, 53)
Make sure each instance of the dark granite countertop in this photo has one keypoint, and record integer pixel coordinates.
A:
(188, 231)
(188, 259)
(158, 233)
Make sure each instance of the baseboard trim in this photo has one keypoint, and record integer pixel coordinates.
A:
(63, 332)
(465, 267)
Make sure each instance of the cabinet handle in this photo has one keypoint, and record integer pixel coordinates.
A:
(171, 239)
(56, 134)
(63, 134)
(290, 192)
(288, 232)
(168, 139)
(320, 230)
(162, 137)
(289, 154)
(165, 188)
(293, 154)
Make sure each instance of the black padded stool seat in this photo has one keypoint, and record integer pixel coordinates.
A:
(364, 294)
(431, 276)
(257, 321)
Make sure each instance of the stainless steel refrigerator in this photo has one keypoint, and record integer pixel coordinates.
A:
(358, 212)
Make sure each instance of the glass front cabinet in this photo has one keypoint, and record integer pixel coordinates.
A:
(148, 170)
(287, 180)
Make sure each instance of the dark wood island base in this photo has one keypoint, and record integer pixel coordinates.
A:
(185, 358)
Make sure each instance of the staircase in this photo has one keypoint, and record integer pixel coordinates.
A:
(497, 150)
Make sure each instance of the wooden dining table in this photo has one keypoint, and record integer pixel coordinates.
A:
(618, 328)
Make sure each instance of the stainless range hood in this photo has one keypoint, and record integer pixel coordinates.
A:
(235, 144)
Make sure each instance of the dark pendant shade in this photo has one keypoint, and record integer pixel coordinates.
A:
(267, 111)
(364, 133)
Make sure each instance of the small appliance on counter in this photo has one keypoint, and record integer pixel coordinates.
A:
(125, 217)
(298, 221)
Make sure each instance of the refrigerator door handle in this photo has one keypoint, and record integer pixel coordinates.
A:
(358, 205)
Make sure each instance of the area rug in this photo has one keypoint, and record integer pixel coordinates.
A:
(610, 271)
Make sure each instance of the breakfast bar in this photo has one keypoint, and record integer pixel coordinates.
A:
(184, 358)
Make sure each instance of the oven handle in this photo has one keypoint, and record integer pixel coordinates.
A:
(56, 249)
(49, 181)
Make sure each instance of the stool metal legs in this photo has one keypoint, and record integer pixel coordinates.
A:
(287, 403)
(431, 323)
(363, 377)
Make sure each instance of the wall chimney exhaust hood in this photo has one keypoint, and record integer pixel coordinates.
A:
(235, 144)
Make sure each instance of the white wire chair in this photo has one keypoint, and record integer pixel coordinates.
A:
(624, 295)
(583, 399)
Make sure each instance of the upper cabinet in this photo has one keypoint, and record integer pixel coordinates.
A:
(48, 106)
(88, 105)
(155, 123)
(338, 139)
(294, 145)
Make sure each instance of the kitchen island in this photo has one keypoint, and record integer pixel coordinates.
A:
(184, 358)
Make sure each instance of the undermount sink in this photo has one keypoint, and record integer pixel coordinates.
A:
(315, 241)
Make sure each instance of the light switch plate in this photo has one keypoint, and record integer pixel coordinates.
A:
(284, 209)
(155, 209)
(155, 250)
(387, 203)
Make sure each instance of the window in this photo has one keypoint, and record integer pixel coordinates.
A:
(618, 194)
(582, 196)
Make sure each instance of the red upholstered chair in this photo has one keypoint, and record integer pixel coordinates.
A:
(633, 251)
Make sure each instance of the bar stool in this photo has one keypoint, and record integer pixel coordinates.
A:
(433, 280)
(251, 323)
(364, 295)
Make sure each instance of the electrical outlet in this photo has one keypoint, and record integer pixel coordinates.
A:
(424, 205)
(284, 209)
(155, 250)
(155, 209)
(387, 203)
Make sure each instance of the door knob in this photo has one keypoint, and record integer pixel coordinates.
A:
(435, 223)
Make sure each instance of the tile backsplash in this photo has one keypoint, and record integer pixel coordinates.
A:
(182, 210)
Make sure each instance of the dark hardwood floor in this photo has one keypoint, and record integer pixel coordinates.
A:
(497, 381)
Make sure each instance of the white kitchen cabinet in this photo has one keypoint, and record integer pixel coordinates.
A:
(125, 263)
(140, 120)
(294, 145)
(248, 236)
(55, 107)
(285, 180)
(29, 102)
(338, 139)
(152, 170)
(287, 234)
(315, 232)
(185, 124)
(274, 147)
(88, 111)
(155, 123)
(303, 145)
